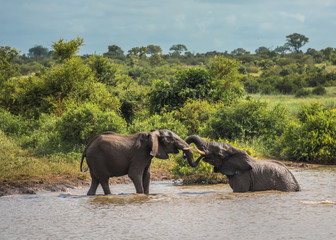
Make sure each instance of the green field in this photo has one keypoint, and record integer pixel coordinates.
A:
(293, 103)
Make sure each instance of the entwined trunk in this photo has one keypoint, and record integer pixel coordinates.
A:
(200, 143)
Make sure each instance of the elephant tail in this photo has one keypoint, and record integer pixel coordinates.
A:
(84, 152)
(81, 165)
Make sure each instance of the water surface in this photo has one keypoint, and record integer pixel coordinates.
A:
(177, 212)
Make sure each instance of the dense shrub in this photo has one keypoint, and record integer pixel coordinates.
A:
(303, 92)
(78, 126)
(313, 137)
(246, 120)
(251, 85)
(319, 90)
(63, 87)
(193, 83)
(14, 125)
(105, 71)
(194, 115)
(163, 121)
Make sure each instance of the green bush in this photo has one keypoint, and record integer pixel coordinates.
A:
(44, 138)
(78, 126)
(194, 115)
(192, 83)
(319, 90)
(313, 137)
(246, 120)
(14, 125)
(63, 87)
(302, 93)
(163, 121)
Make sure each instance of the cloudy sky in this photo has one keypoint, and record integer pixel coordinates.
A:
(201, 25)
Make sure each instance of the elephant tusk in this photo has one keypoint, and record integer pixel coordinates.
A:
(199, 151)
(195, 150)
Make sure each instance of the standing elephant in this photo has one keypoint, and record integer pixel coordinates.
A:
(244, 172)
(110, 155)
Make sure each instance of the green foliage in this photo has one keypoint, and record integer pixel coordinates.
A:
(313, 137)
(319, 90)
(220, 83)
(78, 126)
(14, 125)
(296, 41)
(104, 70)
(7, 67)
(38, 51)
(303, 92)
(63, 87)
(227, 86)
(247, 120)
(193, 83)
(163, 121)
(194, 115)
(66, 50)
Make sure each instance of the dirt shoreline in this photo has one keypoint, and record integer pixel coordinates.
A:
(61, 183)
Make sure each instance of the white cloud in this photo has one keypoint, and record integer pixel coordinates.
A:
(297, 16)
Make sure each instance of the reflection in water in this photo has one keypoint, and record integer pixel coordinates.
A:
(177, 212)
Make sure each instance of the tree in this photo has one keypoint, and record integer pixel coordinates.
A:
(66, 50)
(105, 71)
(239, 52)
(138, 51)
(295, 41)
(7, 68)
(115, 52)
(282, 49)
(154, 49)
(178, 49)
(226, 72)
(38, 51)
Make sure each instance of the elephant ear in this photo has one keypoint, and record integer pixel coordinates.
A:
(235, 164)
(157, 149)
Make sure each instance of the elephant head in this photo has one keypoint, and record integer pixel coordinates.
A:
(165, 141)
(224, 157)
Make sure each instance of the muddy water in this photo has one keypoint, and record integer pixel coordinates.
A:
(177, 212)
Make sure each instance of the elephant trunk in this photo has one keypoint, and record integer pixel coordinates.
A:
(199, 143)
(188, 154)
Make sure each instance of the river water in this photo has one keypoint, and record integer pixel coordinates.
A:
(177, 212)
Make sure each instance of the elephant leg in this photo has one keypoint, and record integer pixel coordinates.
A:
(137, 179)
(94, 186)
(105, 185)
(146, 180)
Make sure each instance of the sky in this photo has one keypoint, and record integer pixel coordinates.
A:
(201, 25)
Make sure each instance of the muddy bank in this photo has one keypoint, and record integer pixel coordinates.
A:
(63, 182)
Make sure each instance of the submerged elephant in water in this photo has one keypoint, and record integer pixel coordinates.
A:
(110, 155)
(244, 172)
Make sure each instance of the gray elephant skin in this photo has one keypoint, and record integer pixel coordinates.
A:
(244, 172)
(110, 154)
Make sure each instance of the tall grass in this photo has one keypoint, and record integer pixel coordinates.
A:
(17, 163)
